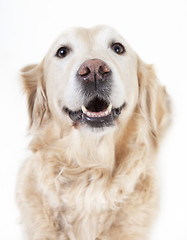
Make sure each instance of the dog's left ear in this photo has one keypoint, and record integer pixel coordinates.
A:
(34, 87)
(154, 102)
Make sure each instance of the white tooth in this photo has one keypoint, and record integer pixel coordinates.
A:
(84, 110)
(88, 114)
(106, 113)
(109, 108)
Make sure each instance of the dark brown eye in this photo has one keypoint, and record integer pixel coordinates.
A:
(62, 52)
(118, 48)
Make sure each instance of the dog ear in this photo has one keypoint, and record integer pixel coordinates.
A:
(34, 87)
(154, 102)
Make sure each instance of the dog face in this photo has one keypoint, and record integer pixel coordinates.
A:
(91, 76)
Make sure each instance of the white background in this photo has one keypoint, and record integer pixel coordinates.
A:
(157, 30)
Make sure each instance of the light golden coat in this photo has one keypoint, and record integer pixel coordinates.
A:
(81, 184)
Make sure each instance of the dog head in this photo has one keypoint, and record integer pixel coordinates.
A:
(92, 78)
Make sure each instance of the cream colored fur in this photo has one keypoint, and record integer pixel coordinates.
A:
(81, 184)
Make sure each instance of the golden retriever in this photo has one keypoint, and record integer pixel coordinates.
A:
(97, 114)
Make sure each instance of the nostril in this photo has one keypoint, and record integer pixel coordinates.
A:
(104, 69)
(84, 71)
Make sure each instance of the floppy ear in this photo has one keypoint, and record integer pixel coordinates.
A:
(154, 102)
(34, 87)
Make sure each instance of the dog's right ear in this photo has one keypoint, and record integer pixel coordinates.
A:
(34, 87)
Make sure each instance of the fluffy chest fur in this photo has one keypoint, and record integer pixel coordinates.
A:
(87, 203)
(84, 182)
(80, 171)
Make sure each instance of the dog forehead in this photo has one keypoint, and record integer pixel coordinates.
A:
(102, 32)
(87, 36)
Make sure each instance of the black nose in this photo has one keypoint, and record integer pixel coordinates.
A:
(94, 70)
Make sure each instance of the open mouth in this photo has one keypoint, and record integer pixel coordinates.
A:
(97, 113)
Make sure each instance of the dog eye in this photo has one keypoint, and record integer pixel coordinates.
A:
(62, 52)
(118, 48)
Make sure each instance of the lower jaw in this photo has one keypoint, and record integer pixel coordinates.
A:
(107, 121)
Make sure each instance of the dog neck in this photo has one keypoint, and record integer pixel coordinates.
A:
(92, 150)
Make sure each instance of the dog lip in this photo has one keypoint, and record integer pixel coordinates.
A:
(97, 122)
